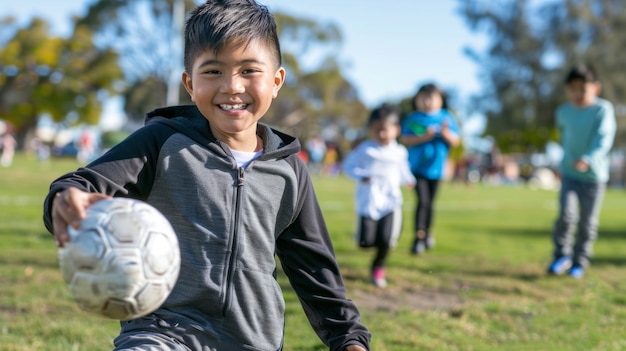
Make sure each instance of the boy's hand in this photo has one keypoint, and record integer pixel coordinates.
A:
(69, 208)
(581, 165)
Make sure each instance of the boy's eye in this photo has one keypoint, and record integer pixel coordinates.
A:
(211, 71)
(249, 70)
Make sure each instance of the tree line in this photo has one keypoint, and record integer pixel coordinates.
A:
(126, 48)
(532, 45)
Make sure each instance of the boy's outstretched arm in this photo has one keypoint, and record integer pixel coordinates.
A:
(307, 257)
(69, 208)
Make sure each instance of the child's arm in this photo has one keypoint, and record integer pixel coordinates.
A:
(307, 256)
(69, 208)
(603, 139)
(355, 167)
(406, 176)
(410, 140)
(448, 135)
(126, 170)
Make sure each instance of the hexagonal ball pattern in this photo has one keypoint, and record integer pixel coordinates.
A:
(123, 262)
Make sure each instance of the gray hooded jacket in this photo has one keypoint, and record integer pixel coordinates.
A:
(231, 223)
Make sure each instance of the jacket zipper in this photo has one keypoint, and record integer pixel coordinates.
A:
(230, 272)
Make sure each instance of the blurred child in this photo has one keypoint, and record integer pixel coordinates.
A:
(236, 193)
(586, 125)
(380, 165)
(429, 133)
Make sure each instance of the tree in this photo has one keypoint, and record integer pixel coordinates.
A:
(61, 77)
(314, 89)
(531, 48)
(315, 93)
(144, 34)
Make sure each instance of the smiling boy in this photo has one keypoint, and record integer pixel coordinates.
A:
(235, 192)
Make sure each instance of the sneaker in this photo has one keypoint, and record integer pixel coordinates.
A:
(560, 266)
(378, 277)
(419, 246)
(430, 241)
(576, 272)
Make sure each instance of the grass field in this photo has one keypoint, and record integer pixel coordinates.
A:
(483, 287)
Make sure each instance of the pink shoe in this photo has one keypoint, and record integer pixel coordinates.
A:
(378, 277)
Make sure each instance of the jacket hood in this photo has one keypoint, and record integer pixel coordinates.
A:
(188, 120)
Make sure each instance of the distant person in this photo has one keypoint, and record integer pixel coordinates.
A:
(586, 125)
(429, 133)
(316, 147)
(8, 144)
(380, 166)
(86, 146)
(331, 161)
(238, 196)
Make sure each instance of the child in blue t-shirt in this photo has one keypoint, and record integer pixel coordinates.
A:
(428, 133)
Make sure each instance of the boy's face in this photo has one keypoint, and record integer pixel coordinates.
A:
(234, 88)
(581, 93)
(384, 132)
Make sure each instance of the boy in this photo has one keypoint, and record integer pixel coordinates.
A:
(381, 166)
(587, 128)
(235, 192)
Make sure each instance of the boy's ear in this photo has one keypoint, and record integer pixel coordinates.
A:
(188, 84)
(279, 79)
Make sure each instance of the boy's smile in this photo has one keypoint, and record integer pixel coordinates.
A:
(233, 89)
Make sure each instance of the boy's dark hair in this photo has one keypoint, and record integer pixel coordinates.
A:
(581, 71)
(431, 89)
(216, 23)
(385, 112)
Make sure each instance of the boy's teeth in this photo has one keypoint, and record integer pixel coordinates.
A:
(233, 107)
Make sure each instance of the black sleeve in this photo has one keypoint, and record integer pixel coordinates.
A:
(307, 257)
(126, 170)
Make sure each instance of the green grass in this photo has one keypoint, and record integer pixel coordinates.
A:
(483, 287)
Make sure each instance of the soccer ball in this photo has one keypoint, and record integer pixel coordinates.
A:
(124, 260)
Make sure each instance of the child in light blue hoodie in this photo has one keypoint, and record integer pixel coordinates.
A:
(586, 124)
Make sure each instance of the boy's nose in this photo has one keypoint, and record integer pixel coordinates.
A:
(232, 84)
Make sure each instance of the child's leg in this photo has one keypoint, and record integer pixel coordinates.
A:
(366, 231)
(590, 195)
(422, 211)
(387, 233)
(566, 221)
(426, 190)
(433, 185)
(147, 341)
(150, 333)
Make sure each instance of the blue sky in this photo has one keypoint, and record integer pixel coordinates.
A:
(390, 47)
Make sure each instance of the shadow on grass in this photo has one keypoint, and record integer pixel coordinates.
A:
(598, 261)
(508, 231)
(606, 233)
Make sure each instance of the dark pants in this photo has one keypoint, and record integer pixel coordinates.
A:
(382, 234)
(426, 190)
(580, 204)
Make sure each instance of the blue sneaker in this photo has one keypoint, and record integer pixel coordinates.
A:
(576, 272)
(560, 266)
